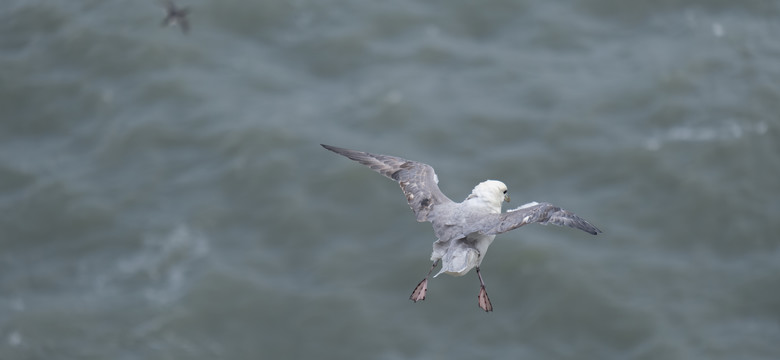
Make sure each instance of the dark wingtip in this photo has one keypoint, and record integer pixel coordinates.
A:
(341, 151)
(593, 230)
(329, 147)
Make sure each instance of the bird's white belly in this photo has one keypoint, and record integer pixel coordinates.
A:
(460, 256)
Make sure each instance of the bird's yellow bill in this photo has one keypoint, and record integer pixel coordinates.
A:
(506, 197)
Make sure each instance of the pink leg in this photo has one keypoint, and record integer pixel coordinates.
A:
(419, 291)
(483, 299)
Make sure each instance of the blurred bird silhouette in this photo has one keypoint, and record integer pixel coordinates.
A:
(176, 16)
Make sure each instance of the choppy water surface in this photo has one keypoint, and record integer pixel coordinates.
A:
(164, 196)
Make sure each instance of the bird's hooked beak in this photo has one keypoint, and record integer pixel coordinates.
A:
(506, 197)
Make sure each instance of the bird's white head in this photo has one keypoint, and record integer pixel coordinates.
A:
(491, 192)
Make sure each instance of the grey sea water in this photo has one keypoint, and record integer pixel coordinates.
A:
(164, 196)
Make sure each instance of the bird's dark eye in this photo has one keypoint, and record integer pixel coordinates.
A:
(504, 191)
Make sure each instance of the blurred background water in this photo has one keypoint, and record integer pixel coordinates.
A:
(164, 196)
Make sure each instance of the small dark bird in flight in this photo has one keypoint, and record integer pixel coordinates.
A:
(176, 16)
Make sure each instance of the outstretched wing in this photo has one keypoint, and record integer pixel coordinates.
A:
(417, 180)
(543, 213)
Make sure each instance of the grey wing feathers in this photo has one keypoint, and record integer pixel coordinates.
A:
(543, 213)
(417, 180)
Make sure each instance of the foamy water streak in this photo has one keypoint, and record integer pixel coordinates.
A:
(724, 132)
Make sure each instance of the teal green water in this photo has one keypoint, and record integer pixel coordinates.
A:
(164, 196)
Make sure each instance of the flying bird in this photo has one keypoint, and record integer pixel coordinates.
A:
(176, 16)
(464, 230)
